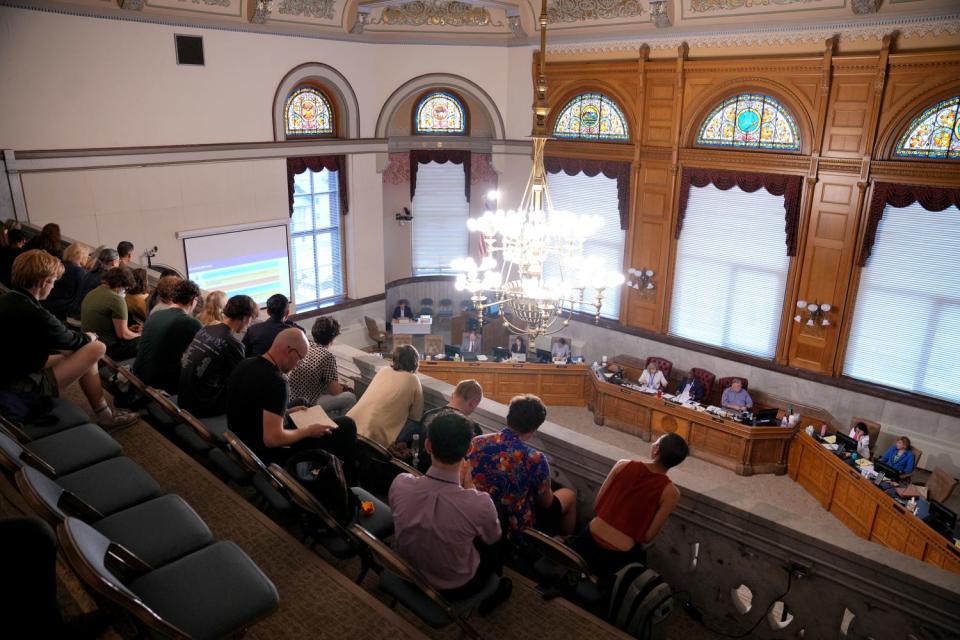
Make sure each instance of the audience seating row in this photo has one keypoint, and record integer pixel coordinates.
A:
(148, 553)
(281, 494)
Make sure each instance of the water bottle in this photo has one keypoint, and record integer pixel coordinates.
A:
(912, 506)
(415, 448)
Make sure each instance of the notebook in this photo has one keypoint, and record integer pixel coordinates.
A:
(313, 415)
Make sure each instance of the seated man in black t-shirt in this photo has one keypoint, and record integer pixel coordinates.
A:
(165, 338)
(215, 352)
(257, 405)
(260, 336)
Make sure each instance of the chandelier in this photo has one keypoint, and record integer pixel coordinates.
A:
(533, 271)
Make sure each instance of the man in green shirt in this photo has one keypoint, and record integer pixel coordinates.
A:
(166, 335)
(104, 312)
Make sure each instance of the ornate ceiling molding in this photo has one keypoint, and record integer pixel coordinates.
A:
(702, 6)
(213, 3)
(863, 29)
(322, 9)
(582, 10)
(435, 13)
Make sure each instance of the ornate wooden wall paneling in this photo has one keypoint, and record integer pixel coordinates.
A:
(850, 108)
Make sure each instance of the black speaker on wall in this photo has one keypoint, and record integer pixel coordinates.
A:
(189, 49)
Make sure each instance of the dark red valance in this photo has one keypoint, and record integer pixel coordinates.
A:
(776, 184)
(619, 171)
(424, 156)
(902, 195)
(319, 163)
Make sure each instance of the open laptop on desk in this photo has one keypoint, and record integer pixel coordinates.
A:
(889, 472)
(941, 519)
(846, 444)
(766, 417)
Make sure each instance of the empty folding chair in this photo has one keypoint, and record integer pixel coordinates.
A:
(378, 467)
(407, 586)
(323, 528)
(562, 571)
(70, 450)
(163, 412)
(215, 592)
(260, 477)
(62, 415)
(158, 530)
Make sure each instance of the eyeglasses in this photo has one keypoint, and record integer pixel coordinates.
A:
(296, 351)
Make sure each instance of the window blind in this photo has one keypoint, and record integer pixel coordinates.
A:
(731, 270)
(440, 212)
(315, 238)
(597, 196)
(905, 331)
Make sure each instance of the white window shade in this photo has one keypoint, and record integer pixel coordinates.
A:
(596, 196)
(731, 270)
(440, 211)
(905, 331)
(315, 239)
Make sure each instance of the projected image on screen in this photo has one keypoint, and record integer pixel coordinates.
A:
(253, 262)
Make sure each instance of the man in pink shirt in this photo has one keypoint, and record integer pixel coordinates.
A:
(448, 532)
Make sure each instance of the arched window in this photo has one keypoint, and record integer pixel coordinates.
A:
(935, 133)
(750, 121)
(592, 116)
(308, 113)
(440, 112)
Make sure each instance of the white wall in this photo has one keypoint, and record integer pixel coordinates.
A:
(72, 82)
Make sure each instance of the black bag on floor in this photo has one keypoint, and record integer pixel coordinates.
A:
(641, 602)
(321, 473)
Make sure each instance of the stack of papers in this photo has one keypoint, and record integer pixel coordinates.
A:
(313, 415)
(831, 439)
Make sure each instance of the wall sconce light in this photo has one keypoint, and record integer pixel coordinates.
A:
(405, 217)
(816, 314)
(641, 280)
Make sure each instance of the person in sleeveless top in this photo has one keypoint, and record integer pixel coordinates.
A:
(631, 507)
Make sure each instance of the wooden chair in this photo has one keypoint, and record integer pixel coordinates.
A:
(401, 340)
(457, 326)
(873, 430)
(374, 332)
(432, 345)
(706, 378)
(917, 454)
(663, 364)
(406, 585)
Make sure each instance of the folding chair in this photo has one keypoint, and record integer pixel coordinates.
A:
(407, 586)
(212, 593)
(73, 449)
(260, 478)
(562, 570)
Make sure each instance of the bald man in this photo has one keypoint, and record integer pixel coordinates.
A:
(257, 399)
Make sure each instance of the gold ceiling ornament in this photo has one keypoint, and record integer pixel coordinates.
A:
(701, 6)
(437, 13)
(533, 272)
(322, 9)
(581, 10)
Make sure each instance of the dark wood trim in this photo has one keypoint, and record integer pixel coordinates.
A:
(842, 382)
(337, 304)
(418, 279)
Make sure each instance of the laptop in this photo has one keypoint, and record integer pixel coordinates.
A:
(891, 474)
(766, 417)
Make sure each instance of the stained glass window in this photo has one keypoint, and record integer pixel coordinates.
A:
(751, 121)
(592, 116)
(440, 112)
(935, 133)
(308, 113)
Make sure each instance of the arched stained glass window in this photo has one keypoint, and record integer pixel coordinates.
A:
(935, 133)
(592, 116)
(440, 112)
(308, 113)
(750, 121)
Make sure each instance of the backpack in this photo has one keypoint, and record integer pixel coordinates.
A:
(641, 602)
(321, 473)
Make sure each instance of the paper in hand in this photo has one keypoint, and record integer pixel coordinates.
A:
(312, 415)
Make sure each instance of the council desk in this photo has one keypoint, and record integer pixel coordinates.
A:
(563, 384)
(864, 508)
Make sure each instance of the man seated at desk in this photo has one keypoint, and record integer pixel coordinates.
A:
(690, 389)
(470, 343)
(652, 378)
(735, 397)
(402, 310)
(561, 350)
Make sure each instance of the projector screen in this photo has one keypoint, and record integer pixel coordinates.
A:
(249, 261)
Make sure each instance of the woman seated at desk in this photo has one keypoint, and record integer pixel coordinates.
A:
(652, 378)
(518, 346)
(859, 433)
(900, 456)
